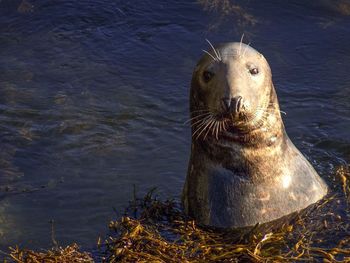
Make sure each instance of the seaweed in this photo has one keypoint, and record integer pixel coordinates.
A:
(162, 233)
(69, 254)
(181, 240)
(158, 231)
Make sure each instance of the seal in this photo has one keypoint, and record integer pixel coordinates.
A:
(243, 168)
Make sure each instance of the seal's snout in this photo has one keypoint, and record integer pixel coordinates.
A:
(232, 105)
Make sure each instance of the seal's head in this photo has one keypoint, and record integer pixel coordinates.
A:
(231, 89)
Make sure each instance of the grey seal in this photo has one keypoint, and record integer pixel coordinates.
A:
(243, 168)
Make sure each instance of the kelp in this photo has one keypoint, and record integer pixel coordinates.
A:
(178, 239)
(158, 231)
(69, 254)
(162, 233)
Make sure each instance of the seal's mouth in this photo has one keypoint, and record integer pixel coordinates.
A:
(233, 117)
(208, 124)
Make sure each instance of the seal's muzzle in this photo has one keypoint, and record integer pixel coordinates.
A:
(232, 105)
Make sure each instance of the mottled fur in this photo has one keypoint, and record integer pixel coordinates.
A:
(250, 172)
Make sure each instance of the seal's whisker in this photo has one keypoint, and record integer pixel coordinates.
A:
(254, 115)
(209, 55)
(199, 111)
(245, 50)
(206, 110)
(202, 126)
(285, 113)
(281, 111)
(268, 106)
(199, 123)
(212, 122)
(270, 110)
(225, 127)
(245, 118)
(196, 131)
(201, 120)
(214, 130)
(212, 127)
(264, 121)
(240, 44)
(197, 116)
(217, 127)
(209, 127)
(219, 55)
(258, 123)
(198, 120)
(259, 117)
(215, 51)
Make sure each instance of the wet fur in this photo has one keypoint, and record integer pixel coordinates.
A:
(239, 177)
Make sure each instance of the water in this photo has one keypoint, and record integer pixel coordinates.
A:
(94, 94)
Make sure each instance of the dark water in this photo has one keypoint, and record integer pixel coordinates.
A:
(94, 94)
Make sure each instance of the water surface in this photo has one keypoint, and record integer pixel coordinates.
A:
(94, 94)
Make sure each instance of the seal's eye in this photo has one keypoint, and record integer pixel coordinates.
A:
(207, 76)
(254, 71)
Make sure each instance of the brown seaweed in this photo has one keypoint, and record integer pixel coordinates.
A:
(160, 232)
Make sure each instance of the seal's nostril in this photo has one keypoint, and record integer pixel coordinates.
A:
(226, 103)
(238, 103)
(232, 105)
